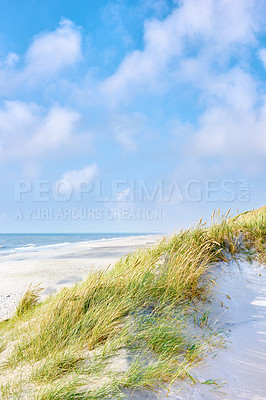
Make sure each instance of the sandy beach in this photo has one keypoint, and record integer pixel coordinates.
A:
(57, 267)
(238, 308)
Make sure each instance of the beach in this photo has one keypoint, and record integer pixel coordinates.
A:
(237, 308)
(57, 267)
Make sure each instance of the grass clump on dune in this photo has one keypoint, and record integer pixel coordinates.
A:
(29, 300)
(127, 327)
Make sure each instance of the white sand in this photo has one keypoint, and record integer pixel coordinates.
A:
(57, 267)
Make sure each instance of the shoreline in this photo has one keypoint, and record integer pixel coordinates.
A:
(33, 247)
(58, 267)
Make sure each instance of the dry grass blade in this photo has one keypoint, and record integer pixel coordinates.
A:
(29, 299)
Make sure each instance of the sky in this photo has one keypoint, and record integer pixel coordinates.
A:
(130, 116)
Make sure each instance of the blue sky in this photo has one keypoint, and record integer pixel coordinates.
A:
(158, 106)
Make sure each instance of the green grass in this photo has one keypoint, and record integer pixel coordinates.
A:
(128, 327)
(29, 300)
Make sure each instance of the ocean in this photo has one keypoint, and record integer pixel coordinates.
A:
(17, 242)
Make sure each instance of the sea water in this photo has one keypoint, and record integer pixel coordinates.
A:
(17, 242)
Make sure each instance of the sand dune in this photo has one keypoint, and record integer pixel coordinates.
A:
(238, 308)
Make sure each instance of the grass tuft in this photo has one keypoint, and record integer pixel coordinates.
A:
(29, 300)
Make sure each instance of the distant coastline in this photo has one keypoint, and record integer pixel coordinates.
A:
(23, 242)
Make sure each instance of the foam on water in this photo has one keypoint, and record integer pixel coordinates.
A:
(14, 243)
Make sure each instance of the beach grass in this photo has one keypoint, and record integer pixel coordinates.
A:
(135, 326)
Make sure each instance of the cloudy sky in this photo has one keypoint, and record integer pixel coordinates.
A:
(130, 116)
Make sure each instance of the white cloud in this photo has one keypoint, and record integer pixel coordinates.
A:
(10, 60)
(234, 87)
(26, 131)
(55, 129)
(49, 54)
(213, 27)
(194, 45)
(125, 129)
(231, 130)
(235, 138)
(74, 180)
(262, 56)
